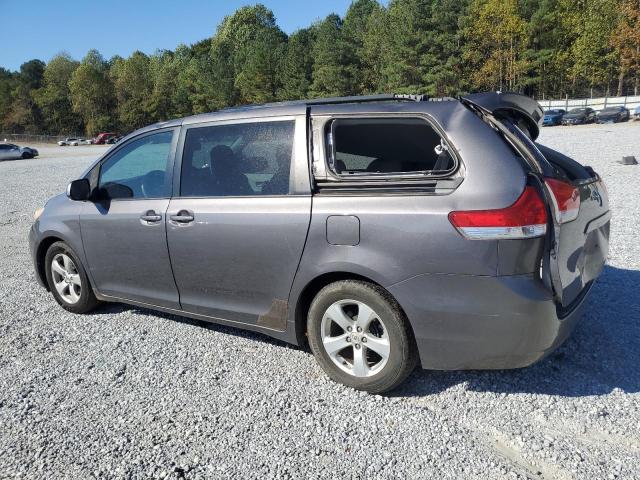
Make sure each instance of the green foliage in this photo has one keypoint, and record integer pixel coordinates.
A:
(332, 74)
(92, 93)
(546, 48)
(589, 24)
(495, 44)
(245, 54)
(355, 31)
(54, 97)
(296, 66)
(133, 86)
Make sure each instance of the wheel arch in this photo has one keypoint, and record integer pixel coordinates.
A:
(311, 289)
(41, 252)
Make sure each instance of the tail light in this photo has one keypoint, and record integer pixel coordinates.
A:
(526, 218)
(566, 197)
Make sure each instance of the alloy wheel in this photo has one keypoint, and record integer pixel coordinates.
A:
(355, 338)
(66, 278)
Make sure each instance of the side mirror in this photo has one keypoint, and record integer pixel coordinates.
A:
(79, 190)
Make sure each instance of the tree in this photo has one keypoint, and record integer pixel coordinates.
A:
(133, 87)
(331, 74)
(54, 97)
(438, 47)
(32, 74)
(296, 66)
(92, 94)
(547, 55)
(375, 51)
(443, 48)
(246, 52)
(408, 22)
(7, 84)
(625, 39)
(496, 39)
(23, 114)
(589, 24)
(356, 23)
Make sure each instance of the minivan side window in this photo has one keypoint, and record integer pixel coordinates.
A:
(138, 169)
(386, 146)
(237, 160)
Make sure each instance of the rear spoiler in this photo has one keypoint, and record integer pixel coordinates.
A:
(524, 110)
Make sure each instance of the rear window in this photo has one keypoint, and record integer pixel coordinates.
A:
(386, 146)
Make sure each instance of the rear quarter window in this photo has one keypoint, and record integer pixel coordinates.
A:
(386, 147)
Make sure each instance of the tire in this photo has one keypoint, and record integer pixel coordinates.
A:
(86, 300)
(348, 356)
(26, 156)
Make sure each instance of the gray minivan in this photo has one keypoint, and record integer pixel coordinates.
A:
(383, 231)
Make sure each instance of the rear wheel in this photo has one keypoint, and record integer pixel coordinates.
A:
(68, 279)
(360, 337)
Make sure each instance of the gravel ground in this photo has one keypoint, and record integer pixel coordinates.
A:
(128, 393)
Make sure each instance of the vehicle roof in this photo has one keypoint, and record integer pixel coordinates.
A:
(442, 108)
(365, 103)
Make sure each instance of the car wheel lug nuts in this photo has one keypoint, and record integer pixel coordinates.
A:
(349, 329)
(364, 340)
(359, 329)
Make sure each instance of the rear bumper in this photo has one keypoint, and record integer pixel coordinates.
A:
(466, 322)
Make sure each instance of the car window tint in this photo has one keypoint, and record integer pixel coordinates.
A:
(386, 146)
(138, 169)
(237, 160)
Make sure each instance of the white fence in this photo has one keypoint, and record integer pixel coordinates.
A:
(595, 103)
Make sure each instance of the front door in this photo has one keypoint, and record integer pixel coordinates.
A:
(237, 230)
(124, 229)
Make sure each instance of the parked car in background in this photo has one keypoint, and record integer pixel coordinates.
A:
(112, 140)
(578, 116)
(553, 117)
(9, 151)
(385, 231)
(102, 138)
(636, 113)
(613, 115)
(70, 141)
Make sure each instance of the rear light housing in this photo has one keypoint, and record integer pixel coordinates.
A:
(526, 218)
(566, 198)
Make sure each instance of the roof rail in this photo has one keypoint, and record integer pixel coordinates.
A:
(411, 96)
(365, 98)
(382, 97)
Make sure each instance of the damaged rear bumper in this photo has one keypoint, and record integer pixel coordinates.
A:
(482, 322)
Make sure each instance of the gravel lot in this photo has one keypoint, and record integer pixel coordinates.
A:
(128, 393)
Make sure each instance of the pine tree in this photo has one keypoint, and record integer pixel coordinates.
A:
(332, 75)
(296, 66)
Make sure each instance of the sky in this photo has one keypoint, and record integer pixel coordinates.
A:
(41, 29)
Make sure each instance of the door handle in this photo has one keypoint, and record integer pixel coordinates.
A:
(151, 216)
(183, 216)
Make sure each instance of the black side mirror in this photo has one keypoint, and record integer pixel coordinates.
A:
(79, 190)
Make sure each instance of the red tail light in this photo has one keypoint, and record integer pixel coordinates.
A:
(526, 218)
(567, 199)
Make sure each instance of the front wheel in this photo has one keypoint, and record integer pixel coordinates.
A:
(360, 337)
(68, 279)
